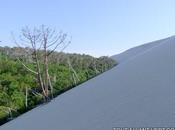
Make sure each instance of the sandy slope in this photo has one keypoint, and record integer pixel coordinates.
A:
(135, 51)
(136, 93)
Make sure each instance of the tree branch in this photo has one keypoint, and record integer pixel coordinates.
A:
(27, 67)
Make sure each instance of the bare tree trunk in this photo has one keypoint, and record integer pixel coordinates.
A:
(10, 113)
(95, 67)
(74, 79)
(26, 98)
(51, 87)
(46, 67)
(72, 69)
(39, 75)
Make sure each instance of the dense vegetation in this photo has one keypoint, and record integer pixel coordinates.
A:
(17, 84)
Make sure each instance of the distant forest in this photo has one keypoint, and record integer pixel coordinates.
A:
(19, 88)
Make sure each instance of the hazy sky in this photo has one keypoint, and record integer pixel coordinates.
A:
(97, 27)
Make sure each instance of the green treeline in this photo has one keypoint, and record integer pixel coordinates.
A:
(19, 91)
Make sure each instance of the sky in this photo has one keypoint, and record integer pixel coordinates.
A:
(97, 27)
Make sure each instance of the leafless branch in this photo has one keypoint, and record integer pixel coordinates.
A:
(27, 67)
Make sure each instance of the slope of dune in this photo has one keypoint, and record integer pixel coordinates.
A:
(136, 93)
(135, 51)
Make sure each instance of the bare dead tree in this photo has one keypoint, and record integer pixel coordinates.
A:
(26, 97)
(43, 42)
(51, 41)
(74, 75)
(95, 67)
(33, 38)
(9, 110)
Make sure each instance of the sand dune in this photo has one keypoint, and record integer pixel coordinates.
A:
(137, 93)
(135, 51)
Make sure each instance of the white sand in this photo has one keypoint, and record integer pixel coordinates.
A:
(140, 92)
